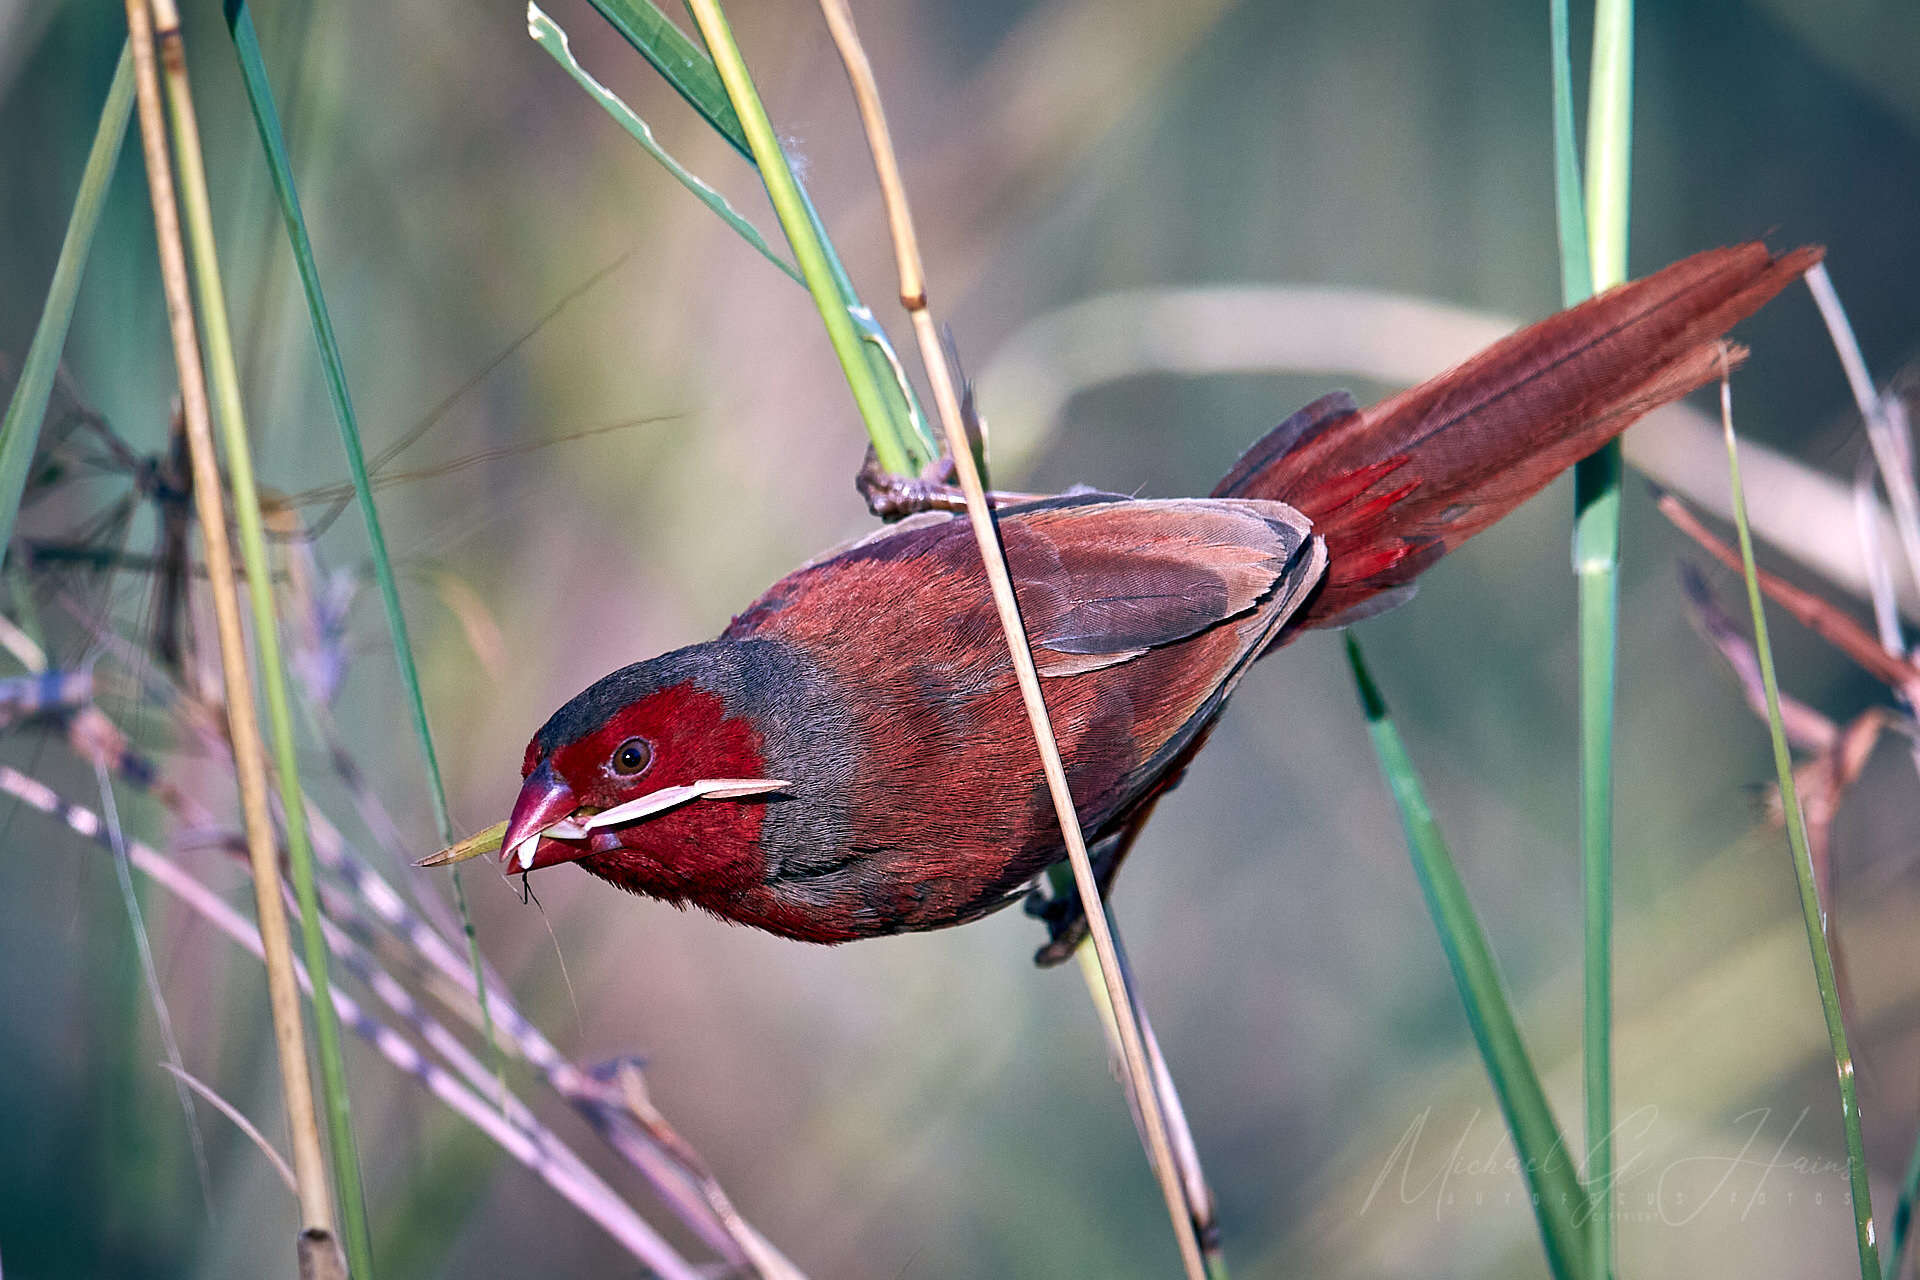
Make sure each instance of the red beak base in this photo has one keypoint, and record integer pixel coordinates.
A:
(544, 800)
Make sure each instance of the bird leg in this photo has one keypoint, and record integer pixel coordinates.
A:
(1065, 918)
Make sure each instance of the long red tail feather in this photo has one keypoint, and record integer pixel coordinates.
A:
(1394, 487)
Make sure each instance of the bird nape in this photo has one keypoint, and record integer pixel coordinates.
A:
(850, 758)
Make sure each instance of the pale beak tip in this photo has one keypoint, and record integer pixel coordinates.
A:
(544, 802)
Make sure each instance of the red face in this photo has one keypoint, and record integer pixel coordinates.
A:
(669, 738)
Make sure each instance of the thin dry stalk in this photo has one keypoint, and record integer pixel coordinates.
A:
(1817, 615)
(239, 1119)
(196, 209)
(670, 1165)
(767, 1260)
(1206, 1224)
(310, 1172)
(538, 1150)
(913, 296)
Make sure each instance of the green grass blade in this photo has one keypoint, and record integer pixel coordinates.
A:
(1597, 541)
(903, 430)
(1609, 140)
(224, 380)
(907, 421)
(550, 36)
(1596, 558)
(1570, 215)
(27, 409)
(1812, 913)
(877, 396)
(682, 62)
(253, 73)
(1560, 1203)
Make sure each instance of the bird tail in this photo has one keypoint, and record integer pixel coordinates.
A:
(1394, 487)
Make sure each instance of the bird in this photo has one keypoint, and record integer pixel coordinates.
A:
(850, 758)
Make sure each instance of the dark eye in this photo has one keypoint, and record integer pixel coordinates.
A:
(631, 756)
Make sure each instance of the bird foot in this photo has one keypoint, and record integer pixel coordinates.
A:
(892, 497)
(1065, 920)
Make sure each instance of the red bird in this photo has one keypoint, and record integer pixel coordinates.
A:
(851, 759)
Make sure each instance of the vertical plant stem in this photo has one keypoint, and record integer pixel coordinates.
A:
(1596, 556)
(225, 380)
(27, 409)
(253, 73)
(1206, 1223)
(316, 1206)
(1811, 912)
(913, 295)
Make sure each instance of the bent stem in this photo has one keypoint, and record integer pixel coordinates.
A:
(316, 1206)
(913, 295)
(1811, 912)
(225, 382)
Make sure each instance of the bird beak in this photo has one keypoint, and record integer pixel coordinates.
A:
(548, 808)
(545, 801)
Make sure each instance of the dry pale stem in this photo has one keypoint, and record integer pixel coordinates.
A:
(1817, 615)
(316, 1202)
(913, 295)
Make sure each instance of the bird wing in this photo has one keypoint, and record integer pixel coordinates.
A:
(1103, 583)
(1099, 579)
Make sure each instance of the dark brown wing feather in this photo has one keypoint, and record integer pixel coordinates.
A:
(1395, 486)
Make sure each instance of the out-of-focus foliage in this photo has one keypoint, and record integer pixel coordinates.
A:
(932, 1105)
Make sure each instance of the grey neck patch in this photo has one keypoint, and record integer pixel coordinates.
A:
(806, 734)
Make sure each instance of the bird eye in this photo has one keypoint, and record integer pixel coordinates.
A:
(631, 756)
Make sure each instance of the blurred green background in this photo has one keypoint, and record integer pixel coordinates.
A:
(933, 1106)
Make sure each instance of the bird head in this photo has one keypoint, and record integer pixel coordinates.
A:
(654, 776)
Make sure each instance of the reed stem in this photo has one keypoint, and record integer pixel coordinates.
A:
(1596, 490)
(913, 296)
(309, 1165)
(196, 205)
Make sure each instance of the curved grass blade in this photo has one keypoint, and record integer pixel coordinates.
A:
(1560, 1203)
(1811, 911)
(549, 35)
(150, 973)
(894, 443)
(27, 409)
(253, 73)
(902, 437)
